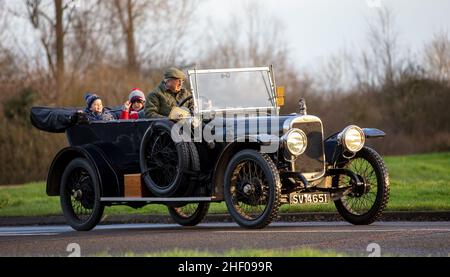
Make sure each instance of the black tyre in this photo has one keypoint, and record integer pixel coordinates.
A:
(252, 189)
(190, 214)
(165, 165)
(364, 204)
(80, 195)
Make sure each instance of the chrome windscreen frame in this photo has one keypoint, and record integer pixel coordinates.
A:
(193, 80)
(287, 125)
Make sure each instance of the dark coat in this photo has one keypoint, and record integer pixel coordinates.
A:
(160, 101)
(106, 115)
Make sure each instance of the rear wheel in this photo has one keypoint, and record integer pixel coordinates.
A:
(252, 189)
(364, 204)
(190, 214)
(80, 195)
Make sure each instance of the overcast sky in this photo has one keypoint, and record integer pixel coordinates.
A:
(316, 29)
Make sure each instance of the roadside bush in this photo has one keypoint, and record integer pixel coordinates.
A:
(17, 109)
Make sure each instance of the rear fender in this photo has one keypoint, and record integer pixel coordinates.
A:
(111, 183)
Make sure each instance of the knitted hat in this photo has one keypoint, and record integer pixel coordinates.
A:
(90, 98)
(174, 73)
(136, 95)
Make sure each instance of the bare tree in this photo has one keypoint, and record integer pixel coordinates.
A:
(332, 77)
(127, 15)
(11, 72)
(254, 37)
(53, 26)
(2, 18)
(172, 39)
(86, 43)
(148, 34)
(381, 63)
(251, 38)
(437, 57)
(383, 40)
(59, 33)
(3, 22)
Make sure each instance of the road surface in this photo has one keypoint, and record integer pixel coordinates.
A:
(393, 238)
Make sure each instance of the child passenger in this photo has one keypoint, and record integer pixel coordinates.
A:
(95, 110)
(135, 104)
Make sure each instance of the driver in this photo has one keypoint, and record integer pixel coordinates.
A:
(167, 94)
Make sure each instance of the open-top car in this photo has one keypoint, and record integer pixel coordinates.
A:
(233, 146)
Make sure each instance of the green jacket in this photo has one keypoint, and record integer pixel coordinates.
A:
(160, 101)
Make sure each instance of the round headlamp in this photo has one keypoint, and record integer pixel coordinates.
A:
(295, 141)
(352, 138)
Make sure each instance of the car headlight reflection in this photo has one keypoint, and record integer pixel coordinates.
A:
(295, 142)
(352, 138)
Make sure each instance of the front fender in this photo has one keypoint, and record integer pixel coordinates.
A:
(334, 149)
(373, 133)
(256, 142)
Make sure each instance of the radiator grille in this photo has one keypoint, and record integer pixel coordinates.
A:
(312, 161)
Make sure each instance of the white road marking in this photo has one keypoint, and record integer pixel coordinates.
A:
(33, 231)
(337, 231)
(12, 234)
(303, 227)
(56, 230)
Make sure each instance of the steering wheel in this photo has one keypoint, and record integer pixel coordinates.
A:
(184, 101)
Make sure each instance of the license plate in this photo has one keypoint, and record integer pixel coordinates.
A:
(309, 198)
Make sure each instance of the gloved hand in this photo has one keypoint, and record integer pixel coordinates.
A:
(79, 117)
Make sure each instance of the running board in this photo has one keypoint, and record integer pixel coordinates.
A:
(156, 199)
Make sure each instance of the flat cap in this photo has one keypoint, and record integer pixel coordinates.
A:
(174, 73)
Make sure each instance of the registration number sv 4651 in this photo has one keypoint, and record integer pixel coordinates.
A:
(309, 198)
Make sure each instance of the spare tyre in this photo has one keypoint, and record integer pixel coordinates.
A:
(165, 165)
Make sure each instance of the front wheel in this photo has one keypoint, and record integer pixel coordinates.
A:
(252, 189)
(80, 195)
(364, 204)
(190, 214)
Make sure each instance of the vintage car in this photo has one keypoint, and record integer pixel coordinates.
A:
(231, 146)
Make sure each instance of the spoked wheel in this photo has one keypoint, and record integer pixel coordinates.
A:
(365, 203)
(164, 162)
(190, 214)
(80, 195)
(252, 189)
